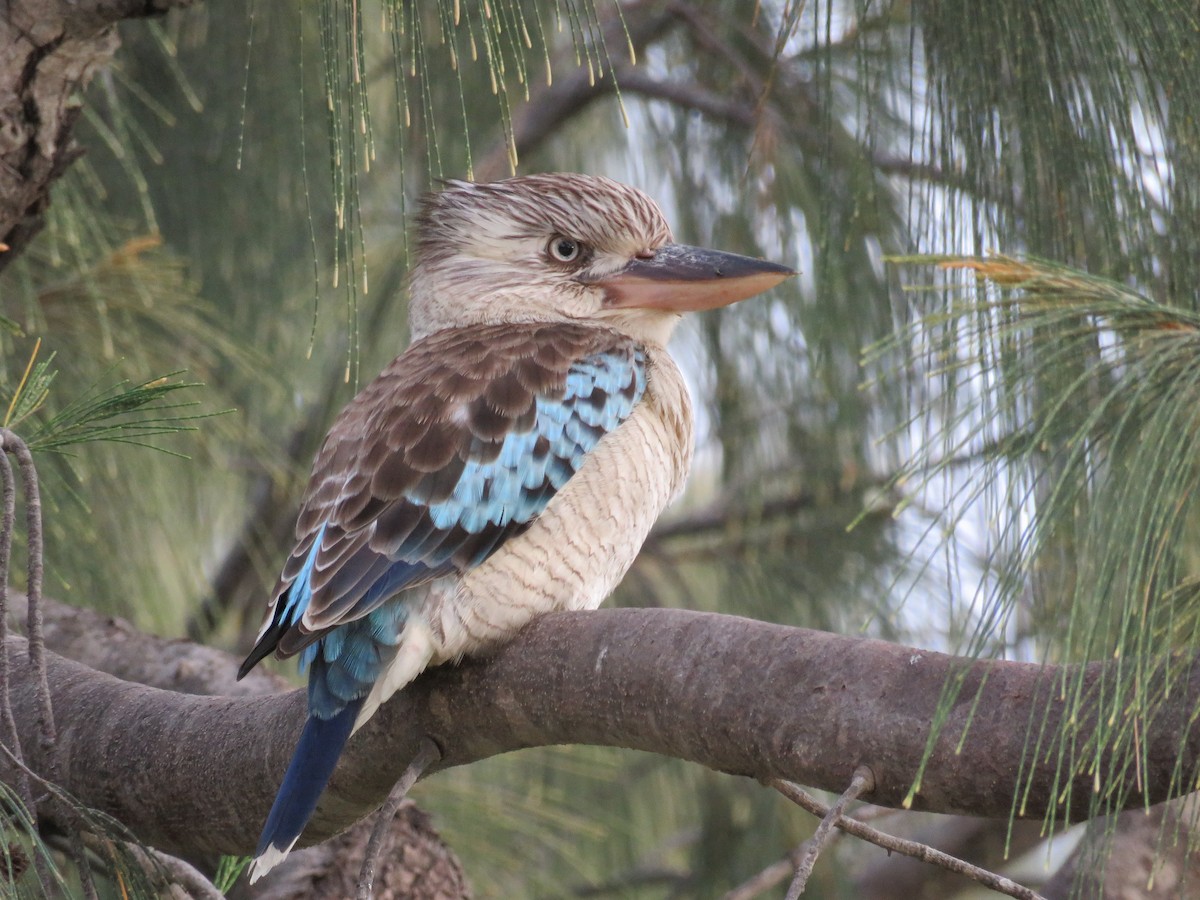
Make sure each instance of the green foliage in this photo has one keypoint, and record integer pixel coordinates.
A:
(119, 869)
(19, 843)
(1077, 397)
(31, 391)
(228, 871)
(113, 316)
(118, 413)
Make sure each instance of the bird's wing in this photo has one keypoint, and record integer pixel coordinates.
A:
(453, 449)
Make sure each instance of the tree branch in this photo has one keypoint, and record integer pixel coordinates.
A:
(807, 853)
(986, 843)
(893, 844)
(113, 646)
(196, 775)
(418, 864)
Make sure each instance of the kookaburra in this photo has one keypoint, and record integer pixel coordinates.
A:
(509, 463)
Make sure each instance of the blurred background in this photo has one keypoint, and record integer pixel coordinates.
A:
(886, 446)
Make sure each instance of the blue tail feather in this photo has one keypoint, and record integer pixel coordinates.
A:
(312, 764)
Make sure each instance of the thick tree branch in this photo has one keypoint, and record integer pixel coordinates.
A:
(112, 645)
(418, 864)
(195, 775)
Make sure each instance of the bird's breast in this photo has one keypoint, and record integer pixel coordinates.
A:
(577, 550)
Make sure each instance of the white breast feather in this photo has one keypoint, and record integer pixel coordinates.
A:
(573, 554)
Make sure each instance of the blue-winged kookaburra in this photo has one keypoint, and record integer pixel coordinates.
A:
(509, 463)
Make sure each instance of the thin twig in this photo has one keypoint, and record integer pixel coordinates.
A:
(79, 853)
(69, 817)
(13, 444)
(10, 442)
(13, 747)
(863, 782)
(799, 863)
(758, 884)
(426, 755)
(923, 852)
(176, 871)
(6, 531)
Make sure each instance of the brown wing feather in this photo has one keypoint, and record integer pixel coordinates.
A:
(403, 441)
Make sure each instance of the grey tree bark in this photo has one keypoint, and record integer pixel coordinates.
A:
(416, 865)
(195, 775)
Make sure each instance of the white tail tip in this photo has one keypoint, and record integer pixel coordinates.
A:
(267, 860)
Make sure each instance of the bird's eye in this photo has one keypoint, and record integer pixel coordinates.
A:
(563, 249)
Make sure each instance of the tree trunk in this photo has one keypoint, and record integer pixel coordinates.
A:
(49, 50)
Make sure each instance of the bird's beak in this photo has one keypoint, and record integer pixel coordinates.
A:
(679, 278)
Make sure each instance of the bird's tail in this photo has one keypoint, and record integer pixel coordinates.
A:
(312, 764)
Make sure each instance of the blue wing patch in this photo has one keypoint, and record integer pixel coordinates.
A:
(296, 599)
(513, 486)
(356, 621)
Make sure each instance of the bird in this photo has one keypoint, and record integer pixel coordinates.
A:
(509, 463)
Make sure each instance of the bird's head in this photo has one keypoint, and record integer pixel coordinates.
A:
(559, 247)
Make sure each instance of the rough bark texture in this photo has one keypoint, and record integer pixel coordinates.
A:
(195, 775)
(49, 49)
